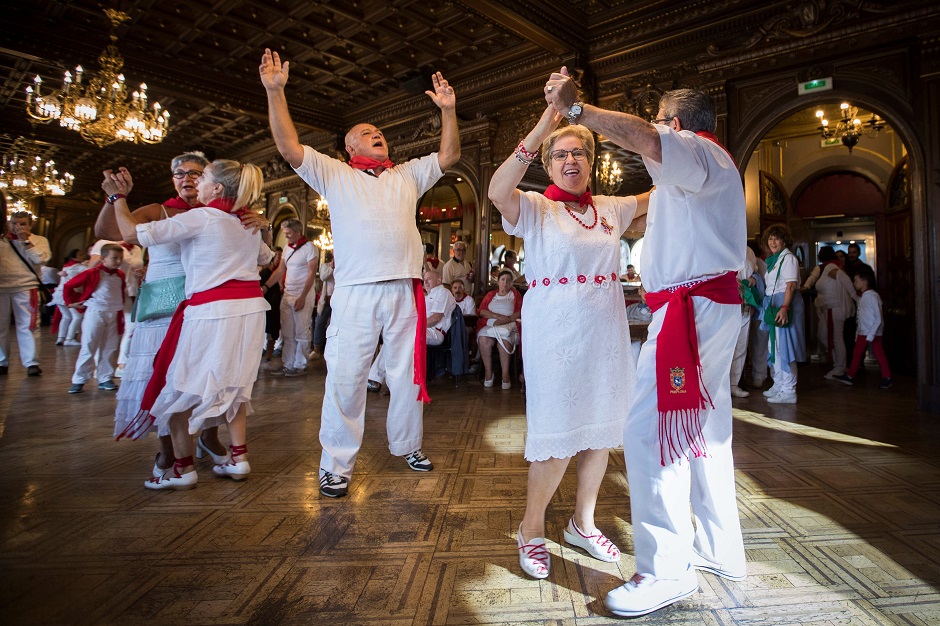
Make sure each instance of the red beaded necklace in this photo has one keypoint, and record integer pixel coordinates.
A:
(578, 220)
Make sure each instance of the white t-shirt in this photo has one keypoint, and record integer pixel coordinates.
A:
(870, 318)
(696, 227)
(215, 248)
(440, 300)
(375, 235)
(467, 306)
(789, 272)
(133, 260)
(296, 261)
(107, 295)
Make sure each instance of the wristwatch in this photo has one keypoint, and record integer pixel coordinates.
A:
(574, 112)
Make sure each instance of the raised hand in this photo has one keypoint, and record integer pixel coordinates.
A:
(273, 74)
(127, 178)
(443, 94)
(114, 183)
(560, 90)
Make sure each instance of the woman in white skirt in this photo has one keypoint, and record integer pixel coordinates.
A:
(208, 363)
(497, 325)
(158, 297)
(575, 339)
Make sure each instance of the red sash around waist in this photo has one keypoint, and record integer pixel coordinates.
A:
(680, 391)
(229, 290)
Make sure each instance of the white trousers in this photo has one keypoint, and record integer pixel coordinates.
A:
(295, 331)
(433, 337)
(360, 314)
(99, 339)
(663, 534)
(760, 352)
(784, 381)
(70, 323)
(17, 304)
(838, 341)
(125, 338)
(740, 349)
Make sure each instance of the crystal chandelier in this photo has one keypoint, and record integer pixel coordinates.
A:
(25, 175)
(608, 175)
(100, 109)
(849, 129)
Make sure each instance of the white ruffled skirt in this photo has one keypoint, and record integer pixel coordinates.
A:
(214, 370)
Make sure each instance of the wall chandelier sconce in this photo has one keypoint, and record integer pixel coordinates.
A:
(608, 176)
(100, 109)
(849, 129)
(25, 175)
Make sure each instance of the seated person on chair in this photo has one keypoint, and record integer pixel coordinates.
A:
(499, 313)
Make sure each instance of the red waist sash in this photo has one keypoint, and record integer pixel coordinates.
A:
(680, 392)
(229, 290)
(421, 339)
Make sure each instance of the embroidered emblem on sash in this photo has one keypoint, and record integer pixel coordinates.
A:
(677, 379)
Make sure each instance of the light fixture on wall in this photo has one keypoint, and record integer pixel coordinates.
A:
(325, 241)
(608, 175)
(100, 109)
(24, 174)
(850, 128)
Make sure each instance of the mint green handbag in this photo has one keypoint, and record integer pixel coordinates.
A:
(158, 298)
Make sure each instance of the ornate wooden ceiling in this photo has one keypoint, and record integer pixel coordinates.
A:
(354, 60)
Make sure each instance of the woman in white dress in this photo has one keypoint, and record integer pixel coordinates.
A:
(575, 338)
(835, 302)
(497, 325)
(208, 364)
(163, 268)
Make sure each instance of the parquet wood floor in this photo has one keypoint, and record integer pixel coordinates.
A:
(839, 498)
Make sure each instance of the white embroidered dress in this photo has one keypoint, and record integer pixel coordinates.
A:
(575, 339)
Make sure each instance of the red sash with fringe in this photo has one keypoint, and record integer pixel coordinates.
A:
(681, 395)
(421, 340)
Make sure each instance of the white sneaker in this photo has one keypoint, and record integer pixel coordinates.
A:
(644, 594)
(488, 383)
(119, 372)
(770, 393)
(699, 562)
(72, 342)
(533, 557)
(784, 397)
(833, 374)
(595, 544)
(737, 392)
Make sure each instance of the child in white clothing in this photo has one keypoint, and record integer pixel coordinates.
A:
(100, 291)
(870, 326)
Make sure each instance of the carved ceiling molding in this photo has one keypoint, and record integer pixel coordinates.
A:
(843, 25)
(930, 57)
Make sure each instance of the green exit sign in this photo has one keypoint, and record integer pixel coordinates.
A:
(812, 86)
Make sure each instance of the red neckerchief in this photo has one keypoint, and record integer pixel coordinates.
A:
(554, 192)
(127, 246)
(713, 138)
(680, 391)
(226, 205)
(177, 203)
(69, 263)
(365, 163)
(300, 242)
(229, 290)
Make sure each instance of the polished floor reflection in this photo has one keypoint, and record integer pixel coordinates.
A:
(839, 498)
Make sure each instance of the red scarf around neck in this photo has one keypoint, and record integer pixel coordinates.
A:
(680, 392)
(127, 246)
(300, 242)
(554, 192)
(178, 203)
(365, 163)
(714, 139)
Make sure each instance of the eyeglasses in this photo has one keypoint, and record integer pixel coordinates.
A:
(664, 120)
(191, 173)
(579, 154)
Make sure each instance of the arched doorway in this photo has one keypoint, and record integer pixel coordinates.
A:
(826, 193)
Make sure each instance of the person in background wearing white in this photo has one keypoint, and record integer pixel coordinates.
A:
(459, 290)
(458, 267)
(746, 280)
(101, 290)
(835, 302)
(379, 254)
(67, 321)
(871, 324)
(787, 343)
(298, 267)
(21, 255)
(324, 310)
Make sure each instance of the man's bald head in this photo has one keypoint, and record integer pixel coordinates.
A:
(366, 140)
